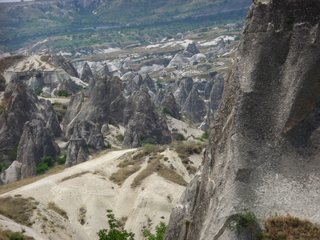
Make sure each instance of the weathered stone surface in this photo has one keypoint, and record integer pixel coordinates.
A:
(180, 95)
(86, 74)
(68, 86)
(66, 65)
(35, 143)
(134, 84)
(191, 50)
(77, 152)
(145, 122)
(23, 106)
(73, 109)
(149, 83)
(264, 145)
(170, 104)
(194, 107)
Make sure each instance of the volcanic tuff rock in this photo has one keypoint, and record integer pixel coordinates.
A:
(194, 107)
(86, 74)
(145, 122)
(170, 104)
(29, 123)
(191, 50)
(263, 155)
(35, 143)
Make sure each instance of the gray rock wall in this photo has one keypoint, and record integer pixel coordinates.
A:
(263, 152)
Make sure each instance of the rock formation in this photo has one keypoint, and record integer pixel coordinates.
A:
(264, 146)
(29, 123)
(145, 124)
(86, 74)
(191, 50)
(170, 104)
(194, 107)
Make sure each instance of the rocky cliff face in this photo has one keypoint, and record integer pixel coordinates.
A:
(30, 124)
(264, 147)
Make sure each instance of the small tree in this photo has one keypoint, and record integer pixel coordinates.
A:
(160, 231)
(115, 232)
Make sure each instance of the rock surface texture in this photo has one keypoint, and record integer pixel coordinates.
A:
(263, 152)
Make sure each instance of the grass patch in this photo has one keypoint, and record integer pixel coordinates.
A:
(156, 166)
(288, 227)
(74, 176)
(63, 213)
(18, 209)
(9, 235)
(189, 149)
(123, 173)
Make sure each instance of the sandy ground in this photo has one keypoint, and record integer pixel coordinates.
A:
(88, 187)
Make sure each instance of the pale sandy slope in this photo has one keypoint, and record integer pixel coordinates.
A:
(146, 205)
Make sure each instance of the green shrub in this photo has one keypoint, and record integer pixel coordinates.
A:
(39, 91)
(167, 111)
(3, 166)
(38, 74)
(48, 160)
(120, 137)
(62, 160)
(205, 135)
(42, 168)
(115, 232)
(244, 220)
(63, 93)
(13, 153)
(160, 232)
(16, 236)
(107, 146)
(180, 137)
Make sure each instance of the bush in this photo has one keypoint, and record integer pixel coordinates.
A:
(3, 166)
(38, 74)
(205, 135)
(244, 220)
(288, 227)
(62, 160)
(48, 160)
(107, 146)
(39, 91)
(180, 137)
(63, 93)
(42, 168)
(160, 232)
(115, 232)
(167, 111)
(13, 153)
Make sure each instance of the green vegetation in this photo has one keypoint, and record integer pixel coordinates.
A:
(52, 206)
(205, 135)
(115, 232)
(9, 235)
(60, 110)
(62, 93)
(180, 137)
(39, 91)
(107, 146)
(167, 111)
(288, 227)
(3, 166)
(18, 209)
(13, 153)
(245, 220)
(160, 231)
(49, 162)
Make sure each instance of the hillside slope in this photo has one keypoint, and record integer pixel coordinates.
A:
(85, 192)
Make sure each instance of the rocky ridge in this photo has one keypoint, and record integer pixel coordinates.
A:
(263, 151)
